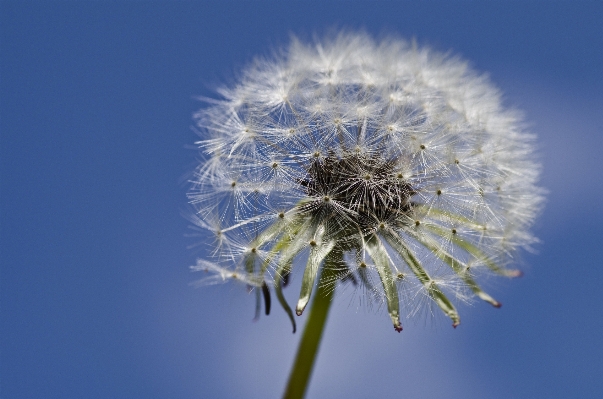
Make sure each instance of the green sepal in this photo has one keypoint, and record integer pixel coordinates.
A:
(459, 268)
(258, 304)
(473, 250)
(287, 231)
(432, 288)
(250, 269)
(465, 245)
(449, 216)
(378, 253)
(273, 231)
(287, 247)
(284, 268)
(317, 253)
(292, 243)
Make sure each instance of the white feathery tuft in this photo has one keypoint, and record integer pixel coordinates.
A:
(398, 161)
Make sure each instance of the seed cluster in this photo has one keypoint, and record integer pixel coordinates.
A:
(395, 165)
(366, 187)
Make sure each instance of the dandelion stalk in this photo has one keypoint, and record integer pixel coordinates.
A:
(309, 344)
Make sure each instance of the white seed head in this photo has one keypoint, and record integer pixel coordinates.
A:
(401, 156)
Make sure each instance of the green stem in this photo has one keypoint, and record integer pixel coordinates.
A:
(310, 340)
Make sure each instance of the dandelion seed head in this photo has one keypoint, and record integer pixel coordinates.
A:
(399, 155)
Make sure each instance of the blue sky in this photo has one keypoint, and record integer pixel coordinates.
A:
(95, 114)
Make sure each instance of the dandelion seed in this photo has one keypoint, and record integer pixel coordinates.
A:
(399, 157)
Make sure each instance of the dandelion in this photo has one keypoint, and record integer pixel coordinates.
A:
(385, 165)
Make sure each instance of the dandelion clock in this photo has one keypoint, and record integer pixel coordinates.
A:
(382, 165)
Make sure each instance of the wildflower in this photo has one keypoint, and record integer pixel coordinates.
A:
(387, 165)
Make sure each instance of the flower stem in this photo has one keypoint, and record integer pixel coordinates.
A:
(310, 340)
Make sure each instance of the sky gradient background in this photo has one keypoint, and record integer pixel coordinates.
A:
(95, 117)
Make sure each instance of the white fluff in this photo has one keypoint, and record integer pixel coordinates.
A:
(469, 162)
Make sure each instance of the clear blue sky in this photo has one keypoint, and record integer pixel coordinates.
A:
(95, 116)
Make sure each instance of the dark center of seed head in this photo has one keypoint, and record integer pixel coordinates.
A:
(387, 197)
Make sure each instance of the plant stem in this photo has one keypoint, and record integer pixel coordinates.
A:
(310, 340)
